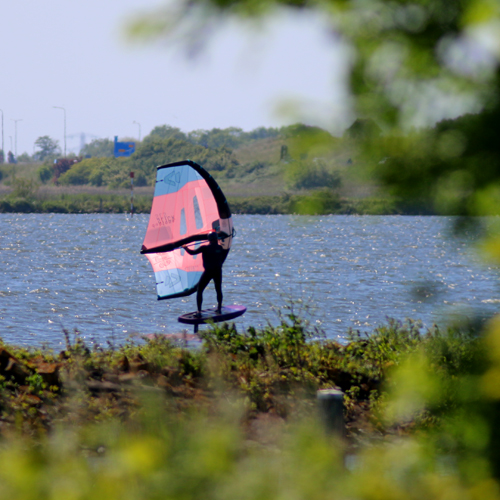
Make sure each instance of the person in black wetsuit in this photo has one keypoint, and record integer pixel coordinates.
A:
(213, 258)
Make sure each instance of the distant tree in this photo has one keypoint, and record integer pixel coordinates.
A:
(24, 158)
(157, 152)
(47, 147)
(231, 137)
(262, 133)
(2, 156)
(165, 132)
(11, 158)
(98, 148)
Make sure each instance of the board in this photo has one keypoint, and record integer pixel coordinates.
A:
(211, 315)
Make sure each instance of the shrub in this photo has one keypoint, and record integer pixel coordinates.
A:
(78, 174)
(21, 205)
(63, 165)
(24, 188)
(300, 175)
(321, 202)
(45, 173)
(53, 206)
(113, 172)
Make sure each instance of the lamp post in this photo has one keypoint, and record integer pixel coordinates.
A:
(60, 107)
(3, 149)
(15, 135)
(139, 125)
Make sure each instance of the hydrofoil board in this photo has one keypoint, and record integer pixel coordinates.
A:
(212, 316)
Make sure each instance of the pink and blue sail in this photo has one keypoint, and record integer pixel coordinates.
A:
(188, 204)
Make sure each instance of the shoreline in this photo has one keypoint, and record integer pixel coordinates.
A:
(316, 203)
(277, 370)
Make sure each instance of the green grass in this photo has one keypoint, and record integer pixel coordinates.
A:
(20, 170)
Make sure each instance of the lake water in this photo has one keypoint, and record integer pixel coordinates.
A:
(85, 272)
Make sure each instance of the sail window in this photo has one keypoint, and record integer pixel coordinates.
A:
(198, 219)
(183, 228)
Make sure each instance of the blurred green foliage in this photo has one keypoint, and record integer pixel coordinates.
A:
(303, 175)
(236, 418)
(424, 77)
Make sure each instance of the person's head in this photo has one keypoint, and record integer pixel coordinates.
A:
(212, 237)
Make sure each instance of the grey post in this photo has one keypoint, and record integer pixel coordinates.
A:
(331, 410)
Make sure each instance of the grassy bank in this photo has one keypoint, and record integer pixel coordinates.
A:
(275, 370)
(236, 418)
(259, 191)
(75, 204)
(30, 198)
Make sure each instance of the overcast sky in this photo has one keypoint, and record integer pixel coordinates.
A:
(74, 54)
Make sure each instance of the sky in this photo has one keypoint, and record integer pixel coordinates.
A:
(76, 55)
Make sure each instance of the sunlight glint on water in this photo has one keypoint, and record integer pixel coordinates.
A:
(86, 272)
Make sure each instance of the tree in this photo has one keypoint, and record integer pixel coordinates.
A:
(165, 132)
(157, 152)
(24, 158)
(99, 148)
(47, 147)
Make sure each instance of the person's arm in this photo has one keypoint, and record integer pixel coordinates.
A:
(193, 252)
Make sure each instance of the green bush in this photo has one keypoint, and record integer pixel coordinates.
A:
(301, 175)
(78, 174)
(24, 188)
(21, 205)
(53, 206)
(45, 173)
(320, 202)
(99, 171)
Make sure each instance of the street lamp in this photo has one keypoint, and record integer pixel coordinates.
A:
(3, 150)
(15, 135)
(60, 107)
(139, 125)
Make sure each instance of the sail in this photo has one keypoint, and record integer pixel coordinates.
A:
(187, 205)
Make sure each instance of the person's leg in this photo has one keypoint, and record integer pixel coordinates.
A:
(217, 276)
(204, 280)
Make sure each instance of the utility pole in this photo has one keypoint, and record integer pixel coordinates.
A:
(3, 149)
(15, 135)
(139, 125)
(60, 107)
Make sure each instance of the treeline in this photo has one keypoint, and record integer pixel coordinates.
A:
(303, 149)
(216, 138)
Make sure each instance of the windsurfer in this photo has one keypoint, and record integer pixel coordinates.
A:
(213, 258)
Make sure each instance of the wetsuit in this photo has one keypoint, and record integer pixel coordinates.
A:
(213, 258)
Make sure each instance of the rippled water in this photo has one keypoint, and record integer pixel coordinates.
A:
(85, 271)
